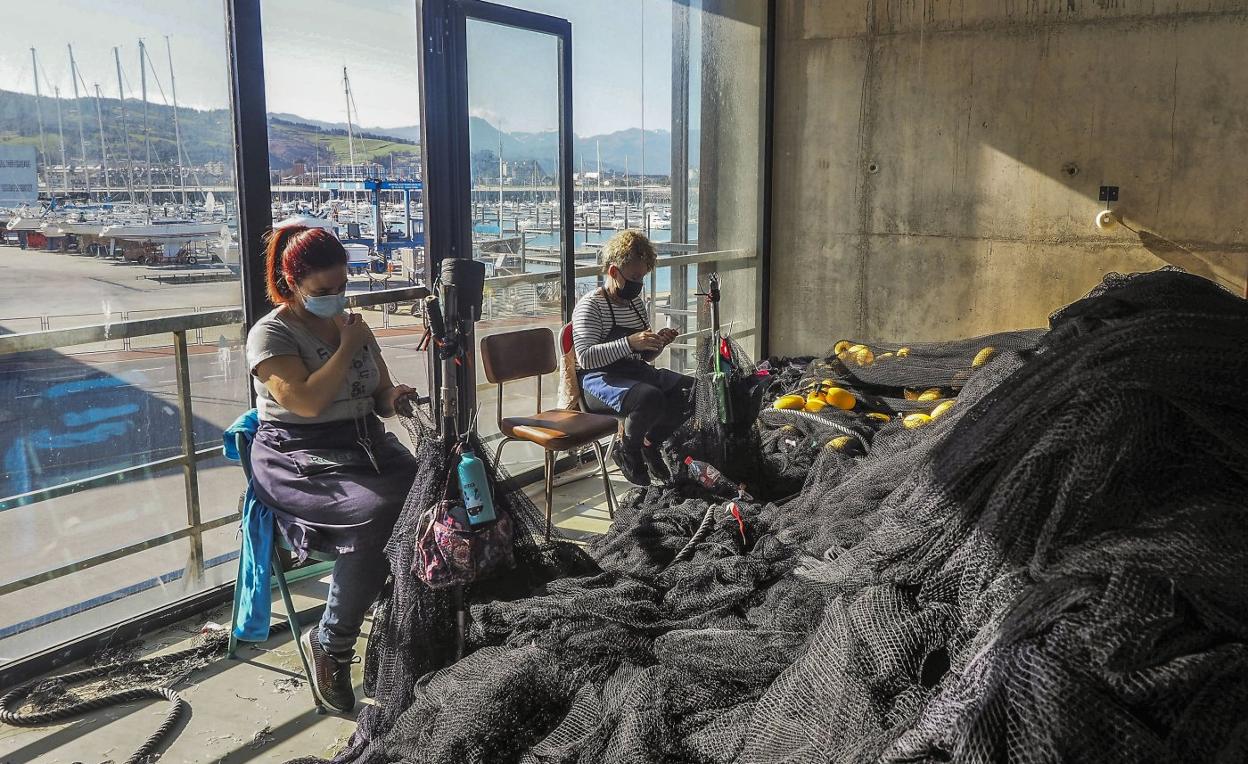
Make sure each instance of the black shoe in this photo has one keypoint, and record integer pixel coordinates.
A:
(331, 675)
(631, 464)
(653, 457)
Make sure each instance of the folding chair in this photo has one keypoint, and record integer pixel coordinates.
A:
(531, 353)
(279, 574)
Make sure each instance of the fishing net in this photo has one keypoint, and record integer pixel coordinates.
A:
(1052, 569)
(414, 627)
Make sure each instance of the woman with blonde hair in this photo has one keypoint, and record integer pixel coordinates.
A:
(615, 349)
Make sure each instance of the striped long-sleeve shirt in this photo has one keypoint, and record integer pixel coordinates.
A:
(592, 321)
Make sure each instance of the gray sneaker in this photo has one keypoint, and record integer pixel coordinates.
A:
(331, 675)
(632, 465)
(653, 457)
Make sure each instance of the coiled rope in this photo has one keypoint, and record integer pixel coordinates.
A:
(704, 530)
(12, 701)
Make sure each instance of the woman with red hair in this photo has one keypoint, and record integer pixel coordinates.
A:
(321, 459)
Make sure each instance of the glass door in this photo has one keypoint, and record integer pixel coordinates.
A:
(497, 115)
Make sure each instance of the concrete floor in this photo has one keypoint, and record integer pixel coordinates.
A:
(257, 708)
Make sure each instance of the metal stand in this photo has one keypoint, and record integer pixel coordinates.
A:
(450, 430)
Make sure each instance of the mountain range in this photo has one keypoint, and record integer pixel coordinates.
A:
(206, 137)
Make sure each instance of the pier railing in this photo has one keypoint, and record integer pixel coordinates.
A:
(679, 304)
(183, 329)
(187, 329)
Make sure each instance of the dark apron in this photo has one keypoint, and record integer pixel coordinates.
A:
(341, 509)
(611, 383)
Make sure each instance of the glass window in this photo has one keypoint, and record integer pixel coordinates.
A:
(131, 228)
(648, 75)
(342, 89)
(517, 231)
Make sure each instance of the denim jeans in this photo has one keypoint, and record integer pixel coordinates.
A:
(356, 582)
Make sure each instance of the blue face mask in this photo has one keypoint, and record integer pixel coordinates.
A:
(326, 305)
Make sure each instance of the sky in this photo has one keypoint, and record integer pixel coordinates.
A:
(621, 58)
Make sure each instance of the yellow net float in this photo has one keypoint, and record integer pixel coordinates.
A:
(790, 402)
(983, 356)
(916, 420)
(841, 398)
(840, 443)
(941, 408)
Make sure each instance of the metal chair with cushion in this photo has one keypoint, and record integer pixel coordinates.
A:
(527, 353)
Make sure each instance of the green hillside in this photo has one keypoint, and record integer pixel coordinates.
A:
(206, 134)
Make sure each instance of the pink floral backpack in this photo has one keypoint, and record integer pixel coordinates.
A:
(450, 551)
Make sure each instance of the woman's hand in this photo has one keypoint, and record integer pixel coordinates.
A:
(387, 402)
(353, 333)
(645, 342)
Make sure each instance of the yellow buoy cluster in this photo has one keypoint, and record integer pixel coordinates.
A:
(911, 421)
(849, 352)
(817, 397)
(814, 398)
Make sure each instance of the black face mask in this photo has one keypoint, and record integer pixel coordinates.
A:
(630, 289)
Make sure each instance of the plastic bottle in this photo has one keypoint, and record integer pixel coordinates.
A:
(475, 489)
(706, 475)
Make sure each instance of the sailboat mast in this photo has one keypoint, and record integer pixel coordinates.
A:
(147, 136)
(628, 199)
(82, 136)
(43, 141)
(125, 131)
(598, 149)
(60, 130)
(346, 90)
(177, 132)
(99, 120)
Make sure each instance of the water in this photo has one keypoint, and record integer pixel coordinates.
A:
(663, 276)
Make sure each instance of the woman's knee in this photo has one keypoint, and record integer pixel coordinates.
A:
(644, 399)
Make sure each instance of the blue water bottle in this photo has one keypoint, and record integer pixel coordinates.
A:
(475, 489)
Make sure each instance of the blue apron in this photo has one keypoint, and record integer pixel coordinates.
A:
(611, 383)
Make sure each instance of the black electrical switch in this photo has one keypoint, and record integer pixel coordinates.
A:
(1109, 193)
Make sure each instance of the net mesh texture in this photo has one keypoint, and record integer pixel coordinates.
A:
(1054, 568)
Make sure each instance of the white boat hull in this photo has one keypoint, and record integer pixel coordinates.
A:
(157, 231)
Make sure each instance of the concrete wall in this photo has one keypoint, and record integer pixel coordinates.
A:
(937, 162)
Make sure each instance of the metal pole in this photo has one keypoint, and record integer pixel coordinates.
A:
(99, 120)
(82, 138)
(147, 142)
(125, 131)
(251, 150)
(642, 170)
(60, 130)
(346, 90)
(195, 562)
(500, 179)
(43, 142)
(177, 132)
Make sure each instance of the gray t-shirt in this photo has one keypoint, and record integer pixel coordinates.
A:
(278, 333)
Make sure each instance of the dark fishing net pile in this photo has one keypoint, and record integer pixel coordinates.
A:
(1052, 569)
